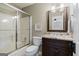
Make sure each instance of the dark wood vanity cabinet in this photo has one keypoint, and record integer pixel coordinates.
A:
(56, 47)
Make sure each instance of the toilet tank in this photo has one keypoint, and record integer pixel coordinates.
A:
(37, 40)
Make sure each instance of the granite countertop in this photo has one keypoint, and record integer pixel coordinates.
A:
(59, 36)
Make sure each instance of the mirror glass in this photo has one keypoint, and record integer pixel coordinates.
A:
(58, 20)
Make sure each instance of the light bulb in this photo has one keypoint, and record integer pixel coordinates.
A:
(62, 5)
(53, 7)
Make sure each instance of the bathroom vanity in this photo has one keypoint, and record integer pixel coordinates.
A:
(57, 45)
(58, 41)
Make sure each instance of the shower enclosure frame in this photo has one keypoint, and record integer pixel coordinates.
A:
(30, 25)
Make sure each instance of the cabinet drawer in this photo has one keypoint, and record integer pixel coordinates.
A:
(59, 43)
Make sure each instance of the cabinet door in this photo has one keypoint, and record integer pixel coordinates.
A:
(54, 47)
(44, 47)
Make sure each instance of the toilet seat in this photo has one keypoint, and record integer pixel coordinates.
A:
(32, 48)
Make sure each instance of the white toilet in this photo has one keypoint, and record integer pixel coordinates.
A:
(33, 49)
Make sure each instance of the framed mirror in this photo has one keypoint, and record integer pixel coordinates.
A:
(57, 20)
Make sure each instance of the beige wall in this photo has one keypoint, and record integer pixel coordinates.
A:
(39, 15)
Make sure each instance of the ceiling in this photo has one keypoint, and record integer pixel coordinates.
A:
(21, 5)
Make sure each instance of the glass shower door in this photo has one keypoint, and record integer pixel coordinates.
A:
(7, 29)
(23, 30)
(14, 29)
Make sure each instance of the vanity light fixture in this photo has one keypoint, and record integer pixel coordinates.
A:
(62, 6)
(53, 9)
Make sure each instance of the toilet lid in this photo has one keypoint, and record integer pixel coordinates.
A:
(31, 48)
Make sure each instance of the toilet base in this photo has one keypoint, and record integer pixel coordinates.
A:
(32, 54)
